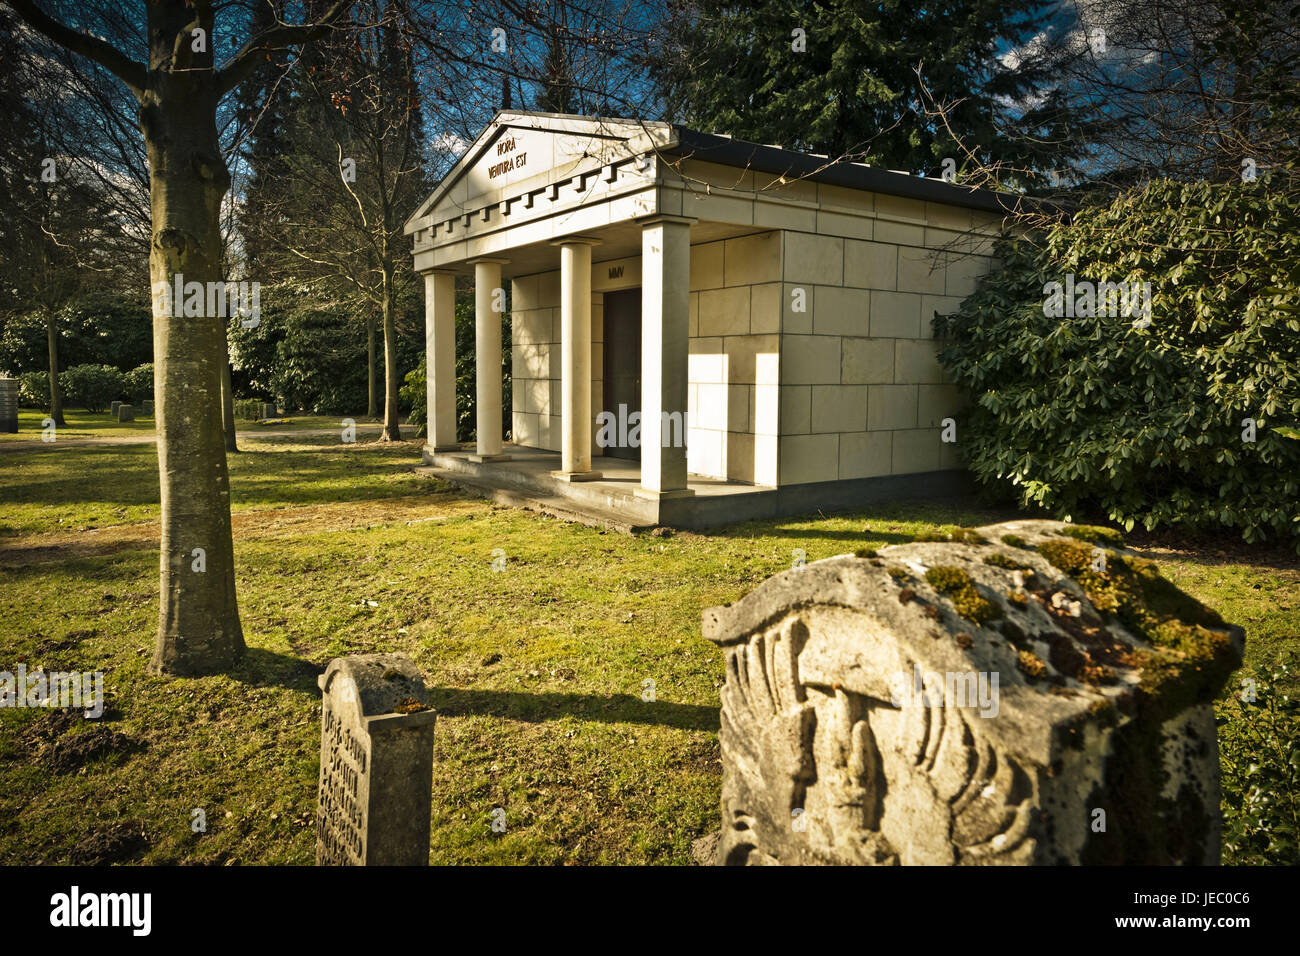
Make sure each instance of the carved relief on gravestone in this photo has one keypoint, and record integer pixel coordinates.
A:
(376, 763)
(1032, 693)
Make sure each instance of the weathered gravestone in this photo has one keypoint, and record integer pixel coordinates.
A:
(113, 407)
(8, 404)
(1030, 693)
(376, 763)
(125, 413)
(148, 406)
(268, 410)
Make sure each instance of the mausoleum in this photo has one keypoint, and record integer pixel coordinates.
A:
(702, 329)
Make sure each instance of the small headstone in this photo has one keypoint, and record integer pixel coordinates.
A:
(112, 408)
(8, 404)
(125, 413)
(148, 406)
(1025, 693)
(376, 763)
(268, 410)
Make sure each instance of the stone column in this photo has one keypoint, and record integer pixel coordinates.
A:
(487, 357)
(575, 359)
(440, 359)
(665, 329)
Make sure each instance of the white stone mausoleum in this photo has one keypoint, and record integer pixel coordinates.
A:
(703, 330)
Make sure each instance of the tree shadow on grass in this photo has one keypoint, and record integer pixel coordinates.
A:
(263, 668)
(964, 512)
(537, 708)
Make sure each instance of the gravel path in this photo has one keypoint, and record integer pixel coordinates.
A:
(38, 445)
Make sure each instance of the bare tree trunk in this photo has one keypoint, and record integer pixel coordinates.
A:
(228, 406)
(392, 425)
(178, 91)
(372, 411)
(56, 394)
(198, 623)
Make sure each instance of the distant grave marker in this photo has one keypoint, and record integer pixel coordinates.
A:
(8, 404)
(125, 413)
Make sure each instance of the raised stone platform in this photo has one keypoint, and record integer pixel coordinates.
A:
(525, 480)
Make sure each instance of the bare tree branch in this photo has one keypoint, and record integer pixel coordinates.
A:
(127, 70)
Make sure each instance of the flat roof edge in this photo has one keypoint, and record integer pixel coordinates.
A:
(710, 148)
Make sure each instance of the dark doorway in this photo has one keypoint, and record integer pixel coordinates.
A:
(622, 372)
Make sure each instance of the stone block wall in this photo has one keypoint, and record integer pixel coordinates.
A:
(862, 393)
(734, 374)
(812, 356)
(733, 367)
(536, 362)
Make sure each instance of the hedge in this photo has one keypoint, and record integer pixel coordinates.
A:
(1184, 419)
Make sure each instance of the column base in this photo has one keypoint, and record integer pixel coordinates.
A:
(578, 475)
(442, 449)
(651, 495)
(481, 459)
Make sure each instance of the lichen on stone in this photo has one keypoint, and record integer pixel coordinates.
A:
(999, 560)
(1030, 663)
(958, 587)
(1193, 652)
(1014, 540)
(1092, 532)
(964, 535)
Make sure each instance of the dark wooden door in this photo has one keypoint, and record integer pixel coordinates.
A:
(622, 372)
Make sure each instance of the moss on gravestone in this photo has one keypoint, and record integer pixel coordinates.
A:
(1192, 653)
(958, 587)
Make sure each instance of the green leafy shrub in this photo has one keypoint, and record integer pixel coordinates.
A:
(248, 409)
(1144, 424)
(34, 390)
(139, 383)
(1259, 753)
(99, 326)
(92, 387)
(413, 395)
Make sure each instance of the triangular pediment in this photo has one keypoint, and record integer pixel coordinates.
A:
(521, 151)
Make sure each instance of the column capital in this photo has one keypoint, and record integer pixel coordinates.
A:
(658, 218)
(487, 259)
(576, 241)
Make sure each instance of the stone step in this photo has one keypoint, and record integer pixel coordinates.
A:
(563, 508)
(598, 494)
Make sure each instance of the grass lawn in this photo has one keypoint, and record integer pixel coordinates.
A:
(80, 424)
(537, 671)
